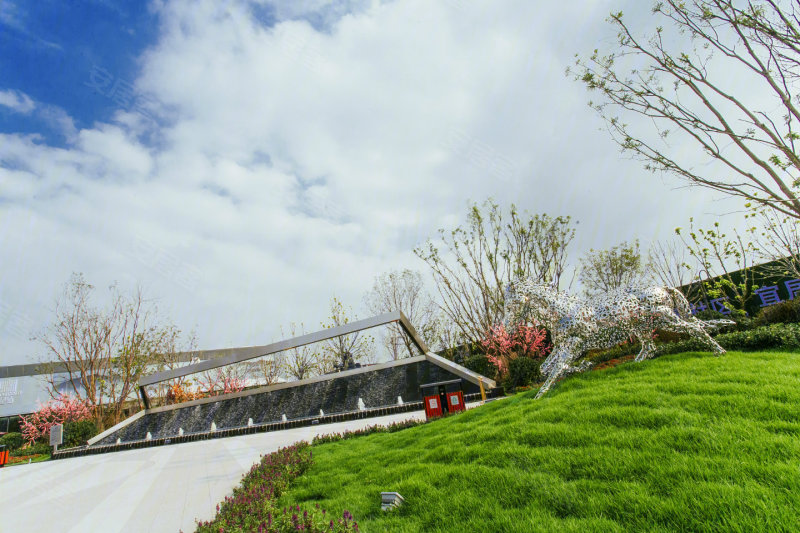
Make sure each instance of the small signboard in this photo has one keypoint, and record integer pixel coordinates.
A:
(56, 435)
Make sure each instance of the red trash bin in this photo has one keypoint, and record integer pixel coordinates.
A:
(3, 456)
(433, 406)
(455, 402)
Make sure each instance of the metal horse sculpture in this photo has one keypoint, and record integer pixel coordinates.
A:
(578, 325)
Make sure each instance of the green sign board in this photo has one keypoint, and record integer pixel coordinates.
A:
(768, 283)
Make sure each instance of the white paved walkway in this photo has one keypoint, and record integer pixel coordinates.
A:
(151, 489)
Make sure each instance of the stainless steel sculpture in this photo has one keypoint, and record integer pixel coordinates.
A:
(578, 325)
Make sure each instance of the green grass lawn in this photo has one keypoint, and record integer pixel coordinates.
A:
(16, 461)
(687, 442)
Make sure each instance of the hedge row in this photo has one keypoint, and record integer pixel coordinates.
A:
(771, 337)
(75, 434)
(12, 441)
(369, 430)
(782, 336)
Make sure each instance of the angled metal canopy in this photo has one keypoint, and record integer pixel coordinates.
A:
(237, 355)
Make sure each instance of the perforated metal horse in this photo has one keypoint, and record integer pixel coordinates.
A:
(577, 325)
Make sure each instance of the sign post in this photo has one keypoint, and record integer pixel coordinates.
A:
(56, 436)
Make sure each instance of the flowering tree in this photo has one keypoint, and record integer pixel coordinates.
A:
(502, 346)
(222, 381)
(178, 392)
(209, 384)
(60, 410)
(103, 349)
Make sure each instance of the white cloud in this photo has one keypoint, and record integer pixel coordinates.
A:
(59, 120)
(17, 101)
(56, 118)
(294, 163)
(10, 16)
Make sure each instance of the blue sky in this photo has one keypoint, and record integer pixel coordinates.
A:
(245, 161)
(52, 51)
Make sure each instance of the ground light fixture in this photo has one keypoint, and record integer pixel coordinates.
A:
(390, 500)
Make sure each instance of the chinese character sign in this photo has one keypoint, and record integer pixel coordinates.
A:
(763, 296)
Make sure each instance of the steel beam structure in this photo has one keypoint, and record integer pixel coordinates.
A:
(237, 355)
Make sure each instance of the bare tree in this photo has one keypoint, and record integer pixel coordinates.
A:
(171, 351)
(720, 76)
(487, 254)
(270, 369)
(670, 265)
(403, 291)
(778, 240)
(345, 350)
(447, 337)
(726, 263)
(606, 270)
(303, 362)
(104, 350)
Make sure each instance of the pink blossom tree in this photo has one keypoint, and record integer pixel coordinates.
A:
(60, 410)
(502, 346)
(220, 382)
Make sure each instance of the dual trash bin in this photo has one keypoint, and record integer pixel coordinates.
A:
(3, 455)
(443, 397)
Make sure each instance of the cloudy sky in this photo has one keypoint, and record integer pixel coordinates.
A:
(245, 161)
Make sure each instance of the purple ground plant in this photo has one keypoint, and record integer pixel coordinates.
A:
(251, 507)
(369, 430)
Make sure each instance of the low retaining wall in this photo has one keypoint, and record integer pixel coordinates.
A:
(334, 394)
(247, 430)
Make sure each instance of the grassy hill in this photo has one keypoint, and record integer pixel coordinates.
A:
(687, 442)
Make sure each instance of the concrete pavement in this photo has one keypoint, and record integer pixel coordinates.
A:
(161, 489)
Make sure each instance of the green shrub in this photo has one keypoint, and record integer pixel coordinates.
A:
(743, 322)
(480, 364)
(787, 312)
(784, 336)
(459, 354)
(629, 348)
(663, 335)
(35, 449)
(77, 433)
(12, 441)
(522, 371)
(774, 336)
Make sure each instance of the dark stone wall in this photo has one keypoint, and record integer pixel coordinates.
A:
(379, 388)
